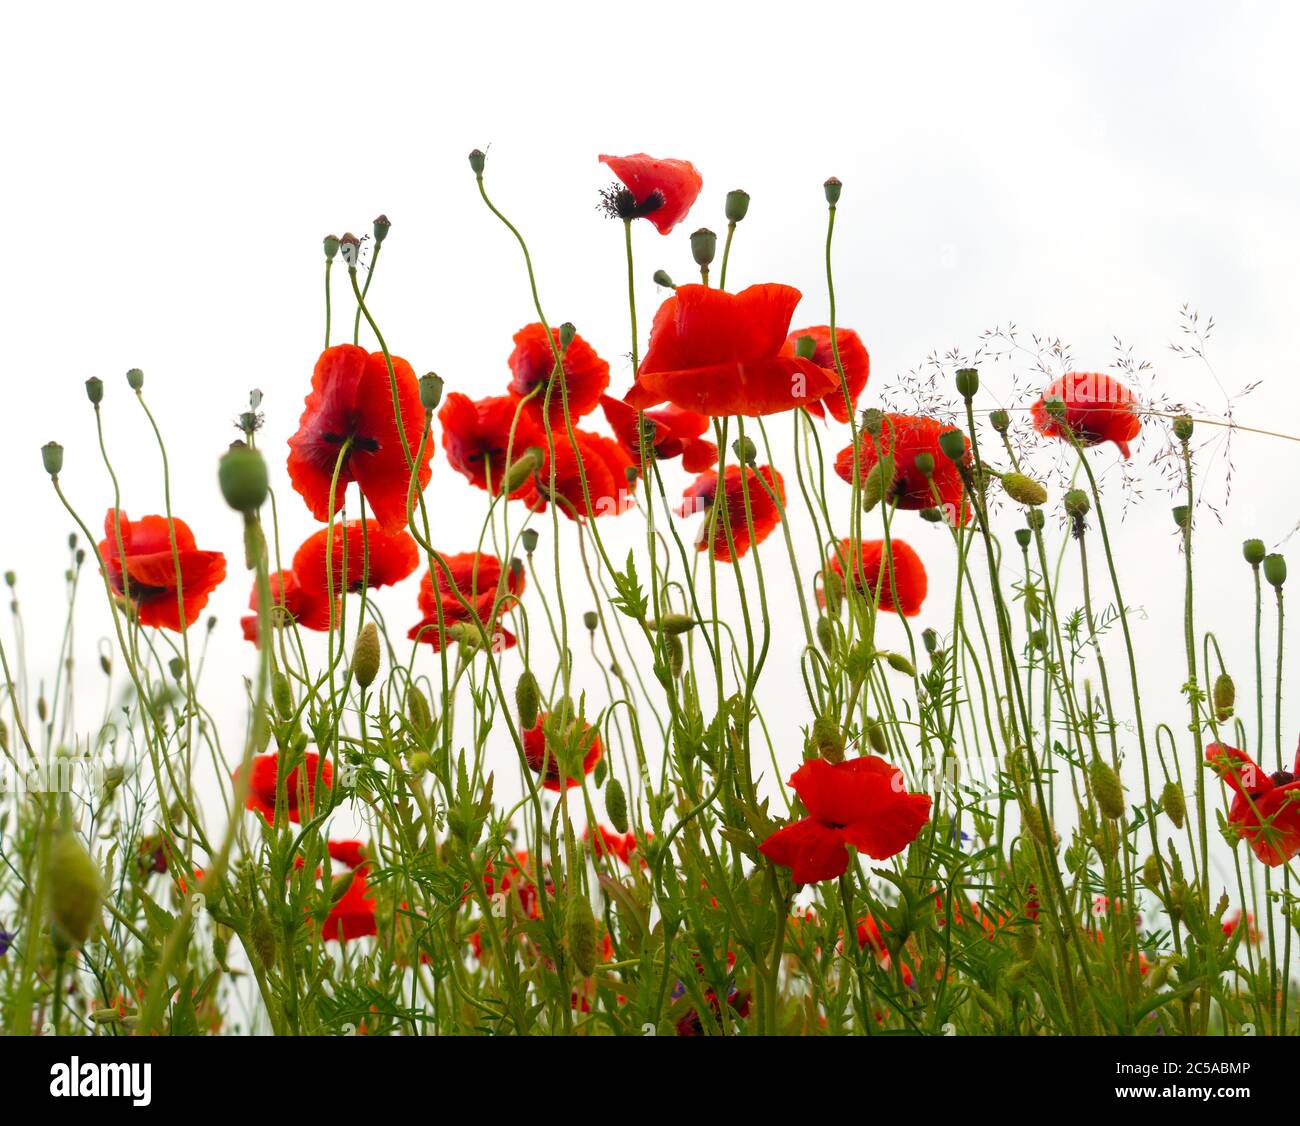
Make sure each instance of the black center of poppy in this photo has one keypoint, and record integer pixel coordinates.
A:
(1283, 778)
(619, 202)
(359, 442)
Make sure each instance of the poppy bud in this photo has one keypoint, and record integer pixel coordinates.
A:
(1171, 798)
(528, 699)
(924, 462)
(381, 228)
(833, 592)
(930, 639)
(661, 278)
(1151, 871)
(567, 333)
(420, 762)
(1041, 830)
(1275, 569)
(873, 421)
(1183, 428)
(528, 537)
(899, 663)
(932, 515)
(1055, 407)
(1225, 696)
(805, 347)
(95, 390)
(580, 926)
(745, 450)
(1000, 421)
(1182, 514)
(673, 624)
(616, 804)
(1108, 789)
(1027, 942)
(832, 188)
(875, 731)
(177, 668)
(676, 655)
(476, 161)
(522, 468)
(704, 245)
(879, 482)
(52, 456)
(968, 382)
(1076, 503)
(417, 710)
(331, 243)
(242, 476)
(590, 620)
(737, 206)
(1254, 552)
(826, 634)
(76, 887)
(135, 379)
(282, 695)
(1035, 519)
(828, 738)
(1023, 537)
(430, 391)
(953, 445)
(1024, 490)
(365, 656)
(262, 935)
(350, 246)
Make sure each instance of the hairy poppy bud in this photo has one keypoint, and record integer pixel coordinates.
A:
(365, 657)
(476, 161)
(737, 206)
(873, 421)
(1039, 828)
(875, 731)
(522, 468)
(1171, 798)
(1024, 537)
(1254, 552)
(528, 537)
(1108, 789)
(661, 278)
(879, 483)
(930, 639)
(528, 699)
(676, 655)
(1151, 871)
(431, 384)
(262, 935)
(924, 462)
(675, 623)
(1182, 515)
(832, 188)
(420, 762)
(76, 887)
(968, 382)
(953, 445)
(1000, 421)
(417, 710)
(932, 515)
(1024, 490)
(899, 663)
(1275, 569)
(616, 804)
(1076, 503)
(1183, 428)
(580, 926)
(339, 886)
(52, 457)
(745, 450)
(135, 379)
(282, 695)
(826, 634)
(833, 592)
(243, 479)
(381, 228)
(704, 245)
(1225, 696)
(828, 738)
(95, 390)
(1027, 942)
(331, 244)
(590, 620)
(567, 333)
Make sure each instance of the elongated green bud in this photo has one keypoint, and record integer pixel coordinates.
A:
(1027, 942)
(900, 663)
(365, 657)
(825, 634)
(932, 515)
(880, 480)
(76, 887)
(282, 695)
(1225, 696)
(833, 592)
(1151, 871)
(676, 654)
(1175, 805)
(580, 926)
(829, 738)
(662, 278)
(675, 623)
(875, 732)
(528, 700)
(262, 935)
(1024, 490)
(1108, 789)
(521, 469)
(417, 709)
(616, 804)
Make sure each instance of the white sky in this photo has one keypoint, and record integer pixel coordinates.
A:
(169, 175)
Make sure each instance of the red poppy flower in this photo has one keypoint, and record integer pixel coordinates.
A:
(605, 464)
(289, 603)
(1097, 409)
(908, 574)
(853, 358)
(719, 353)
(692, 1025)
(477, 578)
(1235, 920)
(532, 364)
(353, 915)
(859, 802)
(606, 842)
(905, 436)
(662, 190)
(517, 875)
(477, 437)
(150, 580)
(351, 854)
(537, 752)
(673, 433)
(763, 511)
(1266, 808)
(373, 554)
(299, 786)
(351, 398)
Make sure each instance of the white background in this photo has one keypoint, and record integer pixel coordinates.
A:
(169, 174)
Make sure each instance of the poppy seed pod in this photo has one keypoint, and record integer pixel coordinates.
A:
(135, 379)
(331, 244)
(661, 278)
(1183, 428)
(616, 804)
(381, 228)
(477, 159)
(431, 384)
(1107, 788)
(52, 458)
(704, 245)
(1254, 552)
(1175, 805)
(580, 926)
(350, 247)
(528, 700)
(76, 887)
(1225, 696)
(873, 421)
(1275, 569)
(590, 620)
(1023, 537)
(365, 656)
(924, 462)
(953, 445)
(1182, 515)
(95, 390)
(1000, 421)
(1076, 503)
(243, 478)
(567, 332)
(1024, 490)
(968, 382)
(832, 188)
(737, 206)
(528, 537)
(828, 738)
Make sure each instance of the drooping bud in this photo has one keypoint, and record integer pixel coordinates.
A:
(1225, 696)
(528, 537)
(243, 478)
(522, 468)
(1254, 552)
(95, 390)
(528, 700)
(745, 450)
(417, 710)
(76, 887)
(704, 245)
(875, 732)
(1024, 490)
(262, 935)
(879, 483)
(365, 656)
(661, 278)
(899, 663)
(52, 458)
(580, 926)
(431, 385)
(1151, 871)
(833, 592)
(968, 382)
(616, 804)
(1175, 805)
(674, 623)
(930, 639)
(832, 188)
(1107, 788)
(737, 206)
(825, 634)
(590, 620)
(828, 738)
(1275, 569)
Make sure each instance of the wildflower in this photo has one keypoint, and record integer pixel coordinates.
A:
(859, 802)
(6, 940)
(1265, 808)
(732, 518)
(661, 190)
(351, 403)
(544, 756)
(607, 842)
(671, 432)
(484, 437)
(604, 464)
(1233, 921)
(291, 603)
(1094, 407)
(372, 554)
(532, 366)
(718, 353)
(904, 571)
(477, 578)
(913, 444)
(146, 572)
(352, 915)
(853, 359)
(299, 785)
